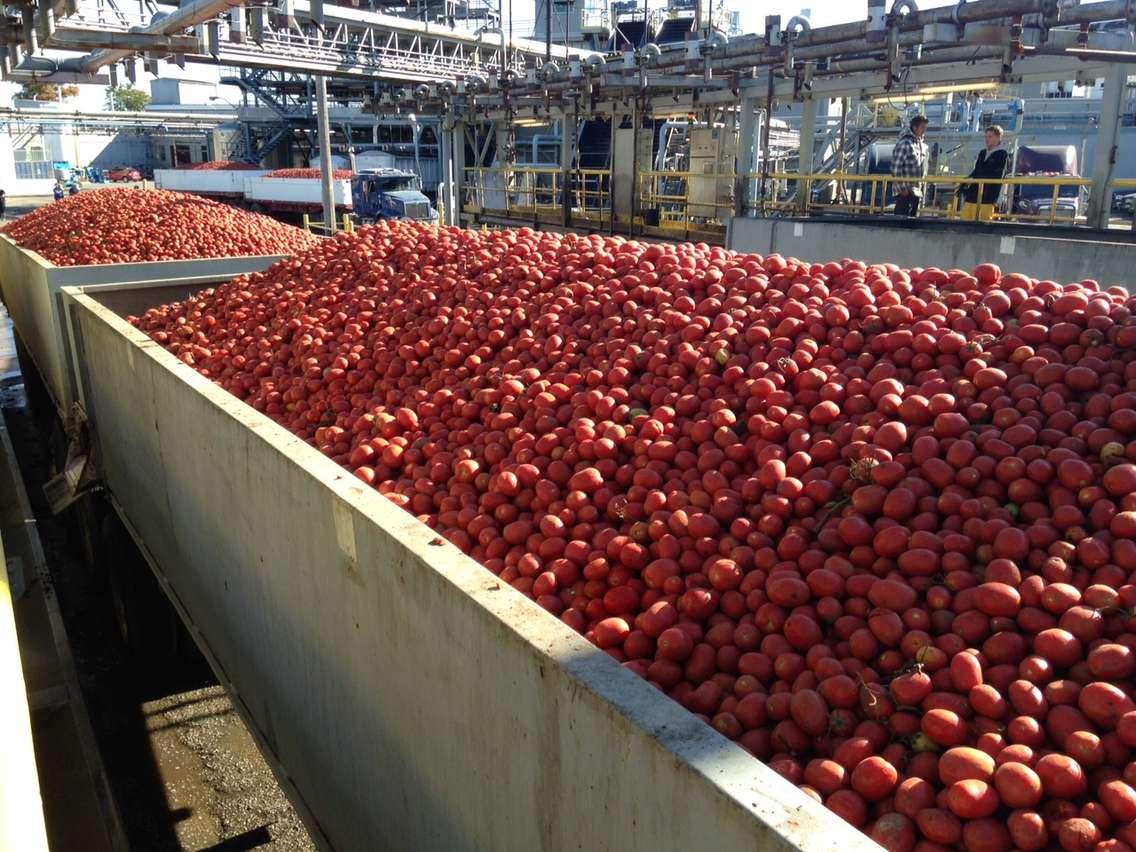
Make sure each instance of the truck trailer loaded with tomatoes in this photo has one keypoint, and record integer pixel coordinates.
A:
(405, 697)
(369, 194)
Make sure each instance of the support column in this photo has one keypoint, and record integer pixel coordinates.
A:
(445, 192)
(457, 182)
(745, 190)
(1104, 162)
(504, 176)
(805, 158)
(323, 131)
(569, 134)
(447, 197)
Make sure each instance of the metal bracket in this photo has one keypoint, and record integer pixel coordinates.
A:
(894, 55)
(773, 33)
(1016, 29)
(258, 23)
(80, 471)
(31, 37)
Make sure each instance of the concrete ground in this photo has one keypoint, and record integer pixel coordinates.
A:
(181, 766)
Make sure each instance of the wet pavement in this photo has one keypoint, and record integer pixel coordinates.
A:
(183, 769)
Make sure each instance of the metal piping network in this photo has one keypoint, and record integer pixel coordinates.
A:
(907, 30)
(185, 17)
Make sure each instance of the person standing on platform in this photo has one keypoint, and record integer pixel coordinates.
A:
(909, 167)
(992, 162)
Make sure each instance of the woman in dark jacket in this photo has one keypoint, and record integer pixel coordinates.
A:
(991, 164)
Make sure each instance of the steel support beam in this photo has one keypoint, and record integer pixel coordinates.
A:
(744, 162)
(569, 140)
(327, 168)
(1104, 163)
(457, 185)
(189, 15)
(805, 152)
(445, 188)
(85, 39)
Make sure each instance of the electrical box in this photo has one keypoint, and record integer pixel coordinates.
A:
(710, 188)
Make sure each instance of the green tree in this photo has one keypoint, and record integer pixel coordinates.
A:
(35, 90)
(126, 98)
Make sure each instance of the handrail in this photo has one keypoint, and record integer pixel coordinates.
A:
(881, 184)
(685, 200)
(319, 227)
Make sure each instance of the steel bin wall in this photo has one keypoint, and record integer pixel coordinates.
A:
(31, 285)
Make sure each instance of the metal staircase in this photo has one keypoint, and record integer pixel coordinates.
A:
(284, 94)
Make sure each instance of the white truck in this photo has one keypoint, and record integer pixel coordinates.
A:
(254, 190)
(370, 194)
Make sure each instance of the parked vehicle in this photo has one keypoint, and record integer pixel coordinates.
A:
(370, 194)
(123, 173)
(390, 194)
(1124, 202)
(1037, 199)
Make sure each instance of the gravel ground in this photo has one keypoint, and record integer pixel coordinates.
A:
(207, 756)
(184, 771)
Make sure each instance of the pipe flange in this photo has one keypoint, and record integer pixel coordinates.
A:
(718, 41)
(594, 63)
(903, 8)
(647, 54)
(798, 25)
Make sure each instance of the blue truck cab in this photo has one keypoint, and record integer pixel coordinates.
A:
(390, 194)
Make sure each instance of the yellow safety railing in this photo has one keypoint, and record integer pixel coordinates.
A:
(703, 202)
(686, 200)
(535, 192)
(875, 193)
(318, 226)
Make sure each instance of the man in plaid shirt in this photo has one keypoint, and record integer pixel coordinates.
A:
(909, 160)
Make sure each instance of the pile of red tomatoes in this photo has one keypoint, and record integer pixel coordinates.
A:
(122, 225)
(876, 525)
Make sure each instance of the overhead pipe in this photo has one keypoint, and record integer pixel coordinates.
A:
(806, 46)
(972, 12)
(751, 51)
(190, 15)
(799, 25)
(86, 39)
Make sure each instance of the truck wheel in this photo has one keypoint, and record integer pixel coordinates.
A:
(149, 626)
